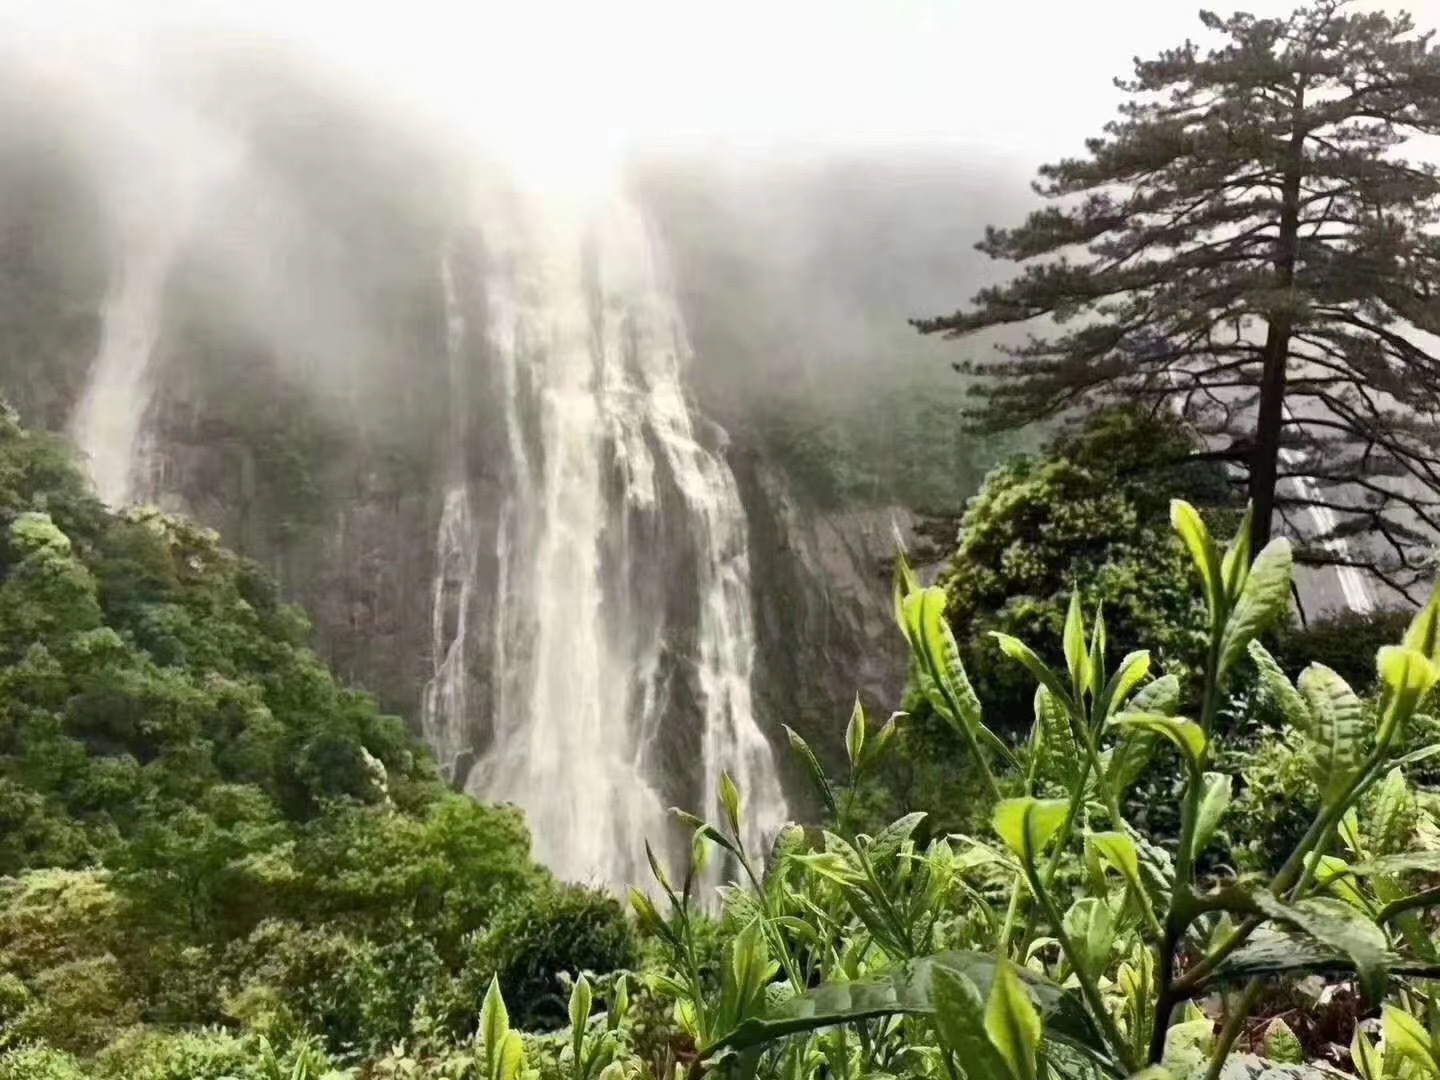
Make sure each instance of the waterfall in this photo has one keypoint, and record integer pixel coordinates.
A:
(107, 423)
(164, 169)
(622, 628)
(446, 704)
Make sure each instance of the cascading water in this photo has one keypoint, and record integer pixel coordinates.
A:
(622, 634)
(107, 424)
(447, 700)
(165, 171)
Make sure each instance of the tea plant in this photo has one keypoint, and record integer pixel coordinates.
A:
(1069, 943)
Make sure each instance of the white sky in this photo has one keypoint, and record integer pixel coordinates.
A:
(1025, 78)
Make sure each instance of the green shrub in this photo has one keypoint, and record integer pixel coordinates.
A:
(59, 930)
(39, 1063)
(145, 1054)
(1091, 513)
(563, 928)
(359, 995)
(1345, 642)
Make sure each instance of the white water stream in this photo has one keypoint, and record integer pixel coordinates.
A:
(586, 341)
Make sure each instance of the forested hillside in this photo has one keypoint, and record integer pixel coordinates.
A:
(199, 825)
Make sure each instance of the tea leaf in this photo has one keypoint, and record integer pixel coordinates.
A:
(855, 734)
(1215, 796)
(1012, 1022)
(1406, 1036)
(1337, 924)
(1077, 654)
(1235, 567)
(1017, 650)
(1278, 689)
(494, 1026)
(1337, 731)
(1130, 674)
(1201, 545)
(581, 1000)
(1366, 1058)
(960, 1020)
(1090, 925)
(1264, 598)
(1028, 825)
(813, 767)
(1185, 734)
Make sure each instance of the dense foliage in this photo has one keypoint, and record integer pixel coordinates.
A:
(1065, 942)
(1091, 513)
(201, 827)
(1247, 241)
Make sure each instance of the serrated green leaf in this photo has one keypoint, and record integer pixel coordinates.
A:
(1263, 600)
(1027, 825)
(494, 1026)
(1365, 1056)
(1336, 737)
(1388, 820)
(1333, 873)
(875, 747)
(1119, 851)
(1090, 926)
(1407, 862)
(1414, 757)
(1423, 633)
(1187, 1047)
(1095, 665)
(510, 1062)
(889, 839)
(1281, 1043)
(1056, 752)
(1215, 793)
(581, 1001)
(1012, 1022)
(1018, 651)
(1127, 761)
(813, 767)
(730, 800)
(1406, 1037)
(1338, 925)
(910, 988)
(1185, 734)
(905, 583)
(1161, 697)
(934, 646)
(960, 1022)
(1406, 676)
(1278, 689)
(855, 734)
(1077, 653)
(1130, 674)
(1235, 567)
(1191, 528)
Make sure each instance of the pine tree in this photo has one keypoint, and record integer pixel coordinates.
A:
(1245, 243)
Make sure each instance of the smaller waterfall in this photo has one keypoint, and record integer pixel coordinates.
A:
(165, 169)
(107, 423)
(445, 708)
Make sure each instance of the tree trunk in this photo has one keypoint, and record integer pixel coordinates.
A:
(1265, 464)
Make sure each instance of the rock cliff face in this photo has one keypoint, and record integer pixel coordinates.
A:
(823, 604)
